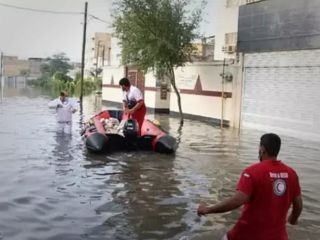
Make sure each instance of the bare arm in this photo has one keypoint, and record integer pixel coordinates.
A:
(238, 199)
(137, 106)
(297, 206)
(124, 105)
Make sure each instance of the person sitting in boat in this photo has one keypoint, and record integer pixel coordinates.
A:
(133, 102)
(65, 107)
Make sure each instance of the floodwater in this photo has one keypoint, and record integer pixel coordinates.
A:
(52, 188)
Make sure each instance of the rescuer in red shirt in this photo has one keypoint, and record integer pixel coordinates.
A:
(267, 190)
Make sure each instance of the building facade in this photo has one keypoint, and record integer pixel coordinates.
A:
(226, 28)
(14, 67)
(98, 52)
(35, 67)
(280, 43)
(204, 93)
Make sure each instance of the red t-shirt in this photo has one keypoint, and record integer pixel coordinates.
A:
(272, 186)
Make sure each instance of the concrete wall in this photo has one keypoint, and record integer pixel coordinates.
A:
(13, 66)
(35, 67)
(275, 25)
(115, 52)
(225, 21)
(98, 52)
(200, 86)
(152, 94)
(111, 90)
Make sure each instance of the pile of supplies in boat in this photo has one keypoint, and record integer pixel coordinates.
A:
(110, 130)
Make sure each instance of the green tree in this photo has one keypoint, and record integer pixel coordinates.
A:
(96, 72)
(58, 63)
(157, 35)
(24, 72)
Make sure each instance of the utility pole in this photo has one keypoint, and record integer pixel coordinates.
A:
(1, 75)
(222, 93)
(109, 56)
(103, 49)
(83, 50)
(97, 59)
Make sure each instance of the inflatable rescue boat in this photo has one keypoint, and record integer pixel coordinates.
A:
(111, 130)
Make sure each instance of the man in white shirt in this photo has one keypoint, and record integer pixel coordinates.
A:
(65, 107)
(133, 102)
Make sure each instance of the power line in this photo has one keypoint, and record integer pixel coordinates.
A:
(99, 19)
(51, 12)
(40, 10)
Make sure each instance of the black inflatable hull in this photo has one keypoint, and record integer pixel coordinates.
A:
(166, 144)
(153, 137)
(97, 142)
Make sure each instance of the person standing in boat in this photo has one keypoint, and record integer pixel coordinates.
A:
(65, 107)
(133, 102)
(267, 190)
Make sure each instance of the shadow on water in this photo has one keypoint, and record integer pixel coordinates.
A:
(52, 188)
(138, 208)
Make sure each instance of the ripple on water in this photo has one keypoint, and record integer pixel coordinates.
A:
(52, 188)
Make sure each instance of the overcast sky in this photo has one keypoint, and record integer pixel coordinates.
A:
(34, 34)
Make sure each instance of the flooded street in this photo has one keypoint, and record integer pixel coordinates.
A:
(52, 188)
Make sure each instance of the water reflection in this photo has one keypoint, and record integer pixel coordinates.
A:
(52, 188)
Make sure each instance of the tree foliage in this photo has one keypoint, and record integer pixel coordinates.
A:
(58, 63)
(24, 72)
(157, 35)
(55, 79)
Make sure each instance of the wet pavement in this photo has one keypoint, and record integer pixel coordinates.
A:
(52, 188)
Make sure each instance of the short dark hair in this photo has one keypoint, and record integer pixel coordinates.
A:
(272, 144)
(124, 82)
(63, 94)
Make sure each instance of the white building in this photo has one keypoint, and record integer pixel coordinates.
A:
(281, 68)
(98, 52)
(199, 84)
(226, 16)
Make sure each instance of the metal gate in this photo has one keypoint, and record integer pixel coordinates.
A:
(281, 93)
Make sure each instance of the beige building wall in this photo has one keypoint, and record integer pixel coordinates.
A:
(35, 67)
(98, 52)
(13, 66)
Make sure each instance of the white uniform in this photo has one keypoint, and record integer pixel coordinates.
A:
(64, 112)
(133, 94)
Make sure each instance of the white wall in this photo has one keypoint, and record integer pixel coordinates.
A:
(150, 96)
(153, 98)
(115, 52)
(206, 106)
(113, 94)
(186, 79)
(225, 20)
